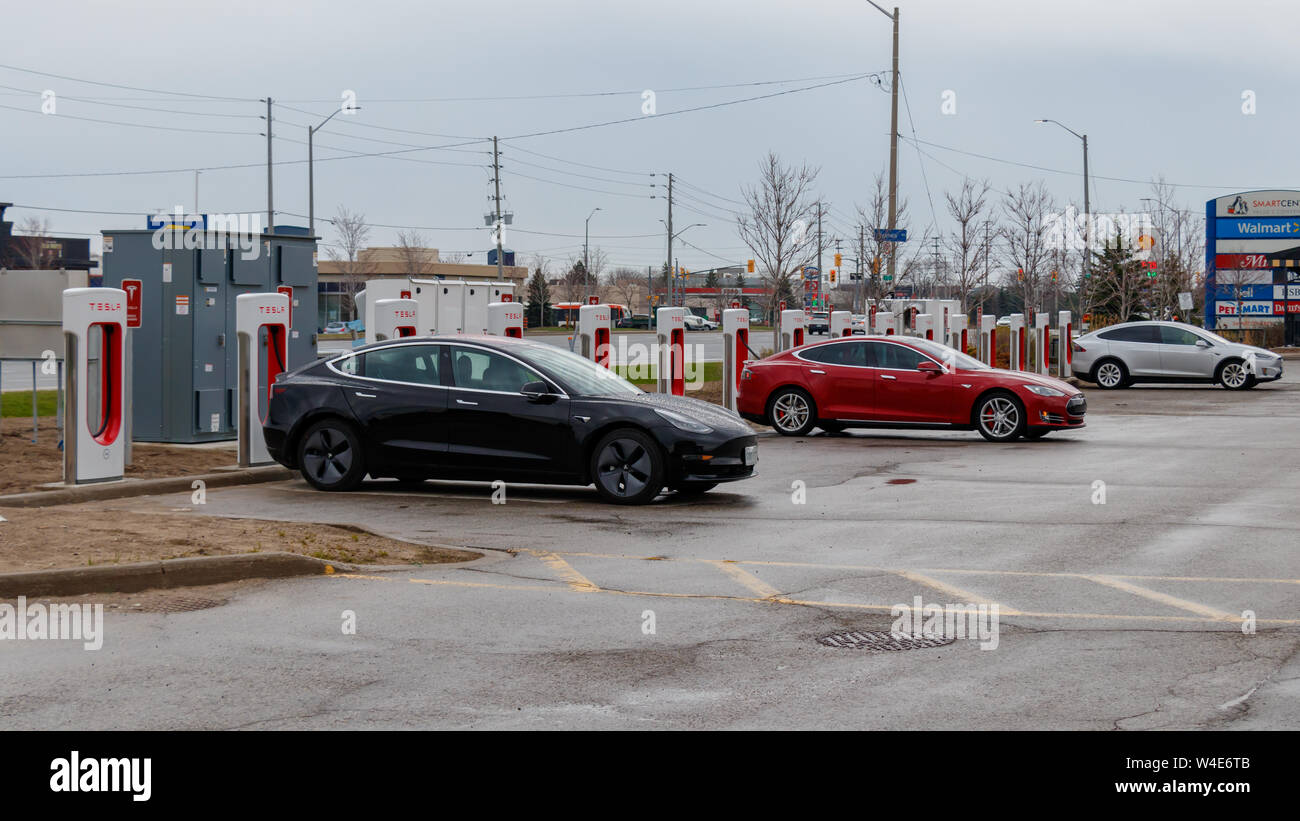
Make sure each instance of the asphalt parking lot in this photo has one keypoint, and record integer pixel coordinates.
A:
(1121, 557)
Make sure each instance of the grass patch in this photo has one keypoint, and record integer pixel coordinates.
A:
(648, 374)
(19, 403)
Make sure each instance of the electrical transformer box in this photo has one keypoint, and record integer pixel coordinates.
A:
(184, 360)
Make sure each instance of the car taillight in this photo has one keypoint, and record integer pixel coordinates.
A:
(746, 374)
(1077, 348)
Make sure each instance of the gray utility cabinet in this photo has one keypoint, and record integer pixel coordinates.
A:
(185, 352)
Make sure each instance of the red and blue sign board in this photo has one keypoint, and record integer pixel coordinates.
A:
(1252, 239)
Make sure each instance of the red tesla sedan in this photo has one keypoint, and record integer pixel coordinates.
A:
(902, 382)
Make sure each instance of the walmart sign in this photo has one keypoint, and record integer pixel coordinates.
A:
(1257, 228)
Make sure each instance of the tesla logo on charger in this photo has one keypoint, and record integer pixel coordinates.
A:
(404, 314)
(105, 306)
(272, 309)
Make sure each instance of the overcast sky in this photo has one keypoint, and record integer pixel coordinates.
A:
(1156, 84)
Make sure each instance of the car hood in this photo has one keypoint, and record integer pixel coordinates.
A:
(1032, 378)
(1243, 350)
(716, 417)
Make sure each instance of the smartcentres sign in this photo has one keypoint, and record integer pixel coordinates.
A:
(1252, 243)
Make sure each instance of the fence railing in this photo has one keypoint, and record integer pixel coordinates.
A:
(38, 366)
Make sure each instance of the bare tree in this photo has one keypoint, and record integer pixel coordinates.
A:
(596, 262)
(417, 259)
(452, 257)
(353, 234)
(873, 287)
(29, 247)
(966, 244)
(775, 224)
(573, 283)
(627, 285)
(1025, 240)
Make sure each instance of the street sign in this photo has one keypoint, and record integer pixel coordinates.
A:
(1184, 301)
(886, 235)
(134, 291)
(887, 278)
(812, 272)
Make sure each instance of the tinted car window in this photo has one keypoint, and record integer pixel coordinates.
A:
(488, 371)
(889, 355)
(838, 353)
(405, 363)
(1177, 336)
(1135, 333)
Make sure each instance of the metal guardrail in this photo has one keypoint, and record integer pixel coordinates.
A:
(38, 363)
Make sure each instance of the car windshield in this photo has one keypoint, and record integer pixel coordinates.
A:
(1218, 340)
(580, 375)
(948, 355)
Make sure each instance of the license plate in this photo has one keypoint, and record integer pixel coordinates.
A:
(751, 454)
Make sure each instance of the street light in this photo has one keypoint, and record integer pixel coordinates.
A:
(893, 139)
(311, 182)
(1087, 211)
(672, 273)
(586, 262)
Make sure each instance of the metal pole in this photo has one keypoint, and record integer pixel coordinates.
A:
(270, 183)
(671, 271)
(34, 430)
(1087, 229)
(311, 185)
(496, 166)
(893, 152)
(128, 403)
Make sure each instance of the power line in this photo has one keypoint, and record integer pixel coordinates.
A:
(130, 125)
(90, 101)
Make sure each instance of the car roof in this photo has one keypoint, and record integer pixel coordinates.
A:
(485, 340)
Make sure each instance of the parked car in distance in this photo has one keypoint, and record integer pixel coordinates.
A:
(858, 324)
(819, 322)
(699, 323)
(1157, 351)
(634, 321)
(335, 328)
(484, 408)
(902, 382)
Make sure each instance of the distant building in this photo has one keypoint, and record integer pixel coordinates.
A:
(41, 253)
(339, 280)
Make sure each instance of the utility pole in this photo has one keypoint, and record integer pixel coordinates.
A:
(496, 181)
(820, 271)
(863, 267)
(671, 270)
(270, 199)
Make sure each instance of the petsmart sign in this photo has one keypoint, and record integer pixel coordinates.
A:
(1247, 237)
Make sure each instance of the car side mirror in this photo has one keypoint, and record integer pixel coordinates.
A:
(537, 392)
(930, 368)
(1201, 343)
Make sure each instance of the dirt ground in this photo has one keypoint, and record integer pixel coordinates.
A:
(25, 467)
(83, 535)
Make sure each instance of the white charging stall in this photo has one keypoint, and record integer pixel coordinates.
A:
(1065, 353)
(595, 332)
(841, 323)
(793, 327)
(94, 409)
(923, 326)
(501, 292)
(396, 318)
(451, 306)
(477, 295)
(883, 322)
(988, 343)
(1042, 341)
(735, 350)
(262, 331)
(425, 293)
(957, 331)
(506, 319)
(1016, 338)
(377, 289)
(670, 336)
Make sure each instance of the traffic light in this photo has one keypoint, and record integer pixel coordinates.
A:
(751, 267)
(1020, 274)
(1054, 276)
(838, 262)
(875, 265)
(833, 271)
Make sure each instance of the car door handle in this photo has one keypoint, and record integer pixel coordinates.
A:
(364, 395)
(814, 370)
(887, 376)
(463, 402)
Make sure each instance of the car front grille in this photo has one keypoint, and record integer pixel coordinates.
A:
(1077, 406)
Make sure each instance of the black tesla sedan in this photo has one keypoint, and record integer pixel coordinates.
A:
(489, 408)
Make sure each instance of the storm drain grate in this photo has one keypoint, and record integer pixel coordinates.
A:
(172, 604)
(881, 641)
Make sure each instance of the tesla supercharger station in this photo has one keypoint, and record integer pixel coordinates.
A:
(94, 329)
(501, 292)
(451, 306)
(924, 326)
(595, 329)
(1043, 341)
(735, 350)
(1065, 353)
(883, 322)
(957, 332)
(792, 329)
(989, 339)
(841, 323)
(670, 334)
(261, 359)
(506, 319)
(425, 293)
(396, 318)
(1016, 336)
(477, 295)
(380, 289)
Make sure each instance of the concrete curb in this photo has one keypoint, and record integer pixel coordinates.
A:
(144, 487)
(189, 572)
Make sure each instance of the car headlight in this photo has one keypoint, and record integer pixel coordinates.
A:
(1043, 390)
(683, 422)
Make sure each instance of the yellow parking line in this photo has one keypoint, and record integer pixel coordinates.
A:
(1164, 598)
(572, 577)
(751, 582)
(964, 596)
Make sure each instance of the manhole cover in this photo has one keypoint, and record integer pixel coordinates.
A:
(172, 604)
(880, 640)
